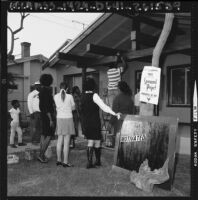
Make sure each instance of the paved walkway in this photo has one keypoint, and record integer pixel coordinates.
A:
(19, 151)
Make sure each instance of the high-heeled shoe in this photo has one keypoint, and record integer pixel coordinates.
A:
(67, 165)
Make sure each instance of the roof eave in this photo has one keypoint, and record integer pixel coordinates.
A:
(79, 38)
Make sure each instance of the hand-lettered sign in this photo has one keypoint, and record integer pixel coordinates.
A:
(150, 85)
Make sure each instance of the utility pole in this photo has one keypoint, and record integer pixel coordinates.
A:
(78, 22)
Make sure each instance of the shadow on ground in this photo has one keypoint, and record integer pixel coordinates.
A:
(31, 178)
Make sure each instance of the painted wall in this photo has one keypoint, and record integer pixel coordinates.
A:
(16, 69)
(35, 71)
(18, 93)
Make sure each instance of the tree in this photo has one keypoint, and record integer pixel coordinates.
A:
(160, 45)
(10, 57)
(13, 38)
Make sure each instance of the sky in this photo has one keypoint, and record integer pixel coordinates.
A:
(47, 31)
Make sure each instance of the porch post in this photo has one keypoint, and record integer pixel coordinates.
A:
(134, 34)
(84, 69)
(160, 45)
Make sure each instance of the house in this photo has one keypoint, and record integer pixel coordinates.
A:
(135, 37)
(26, 71)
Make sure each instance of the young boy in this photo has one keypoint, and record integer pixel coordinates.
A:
(15, 124)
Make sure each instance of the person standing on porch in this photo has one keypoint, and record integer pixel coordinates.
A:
(46, 105)
(35, 114)
(122, 103)
(91, 124)
(65, 126)
(76, 113)
(114, 74)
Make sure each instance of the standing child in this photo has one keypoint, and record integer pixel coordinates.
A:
(15, 124)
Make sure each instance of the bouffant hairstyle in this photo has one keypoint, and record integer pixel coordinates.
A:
(14, 102)
(124, 87)
(75, 89)
(46, 79)
(90, 84)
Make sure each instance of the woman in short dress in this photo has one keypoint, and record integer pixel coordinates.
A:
(65, 127)
(91, 124)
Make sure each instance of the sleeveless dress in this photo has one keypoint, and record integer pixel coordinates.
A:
(91, 125)
(46, 105)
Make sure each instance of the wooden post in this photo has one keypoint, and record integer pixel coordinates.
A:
(162, 39)
(83, 78)
(134, 34)
(158, 50)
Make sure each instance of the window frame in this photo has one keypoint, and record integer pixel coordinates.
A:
(138, 74)
(169, 83)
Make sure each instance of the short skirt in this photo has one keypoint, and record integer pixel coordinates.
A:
(46, 129)
(65, 126)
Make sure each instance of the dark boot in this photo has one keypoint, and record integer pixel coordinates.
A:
(89, 157)
(98, 155)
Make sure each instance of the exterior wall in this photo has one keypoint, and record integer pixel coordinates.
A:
(26, 87)
(18, 93)
(35, 72)
(16, 69)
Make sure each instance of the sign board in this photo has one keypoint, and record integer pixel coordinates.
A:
(150, 85)
(146, 137)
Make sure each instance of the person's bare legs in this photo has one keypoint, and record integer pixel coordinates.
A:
(59, 147)
(66, 148)
(45, 140)
(41, 141)
(46, 144)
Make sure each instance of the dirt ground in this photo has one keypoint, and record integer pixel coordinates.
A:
(31, 178)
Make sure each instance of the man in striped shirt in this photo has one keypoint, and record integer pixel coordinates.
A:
(114, 77)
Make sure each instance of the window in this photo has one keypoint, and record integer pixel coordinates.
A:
(179, 85)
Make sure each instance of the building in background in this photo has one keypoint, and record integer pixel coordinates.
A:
(26, 71)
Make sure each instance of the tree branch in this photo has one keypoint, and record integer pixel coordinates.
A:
(23, 16)
(12, 42)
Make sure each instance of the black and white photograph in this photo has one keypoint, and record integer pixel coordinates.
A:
(99, 99)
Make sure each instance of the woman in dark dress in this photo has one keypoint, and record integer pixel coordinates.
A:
(123, 102)
(91, 125)
(46, 104)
